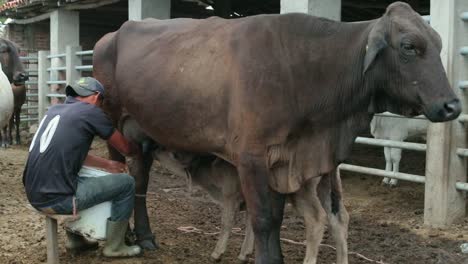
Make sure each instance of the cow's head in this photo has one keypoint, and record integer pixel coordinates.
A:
(11, 64)
(403, 58)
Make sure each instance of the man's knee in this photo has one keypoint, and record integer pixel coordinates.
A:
(127, 181)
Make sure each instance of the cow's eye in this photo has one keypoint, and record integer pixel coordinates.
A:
(408, 48)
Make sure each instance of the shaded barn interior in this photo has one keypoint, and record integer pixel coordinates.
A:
(98, 17)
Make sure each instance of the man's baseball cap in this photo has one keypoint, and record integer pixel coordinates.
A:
(85, 86)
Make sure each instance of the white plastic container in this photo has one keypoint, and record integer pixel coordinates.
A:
(93, 221)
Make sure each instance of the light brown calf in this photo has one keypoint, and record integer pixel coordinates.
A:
(315, 201)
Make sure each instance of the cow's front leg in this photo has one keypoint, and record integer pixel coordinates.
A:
(265, 207)
(139, 169)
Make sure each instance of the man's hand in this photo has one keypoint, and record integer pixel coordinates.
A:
(111, 166)
(124, 146)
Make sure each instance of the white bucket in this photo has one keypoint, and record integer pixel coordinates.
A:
(93, 221)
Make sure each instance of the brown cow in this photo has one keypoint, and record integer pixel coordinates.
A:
(220, 180)
(281, 97)
(14, 70)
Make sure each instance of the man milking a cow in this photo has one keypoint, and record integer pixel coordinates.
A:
(58, 151)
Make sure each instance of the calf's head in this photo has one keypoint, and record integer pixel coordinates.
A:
(403, 61)
(11, 64)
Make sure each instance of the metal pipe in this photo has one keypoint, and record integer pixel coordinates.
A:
(399, 116)
(31, 95)
(427, 19)
(61, 55)
(56, 82)
(30, 82)
(56, 69)
(84, 52)
(464, 51)
(56, 95)
(84, 68)
(463, 118)
(464, 16)
(383, 173)
(462, 152)
(463, 84)
(28, 58)
(29, 119)
(462, 186)
(391, 143)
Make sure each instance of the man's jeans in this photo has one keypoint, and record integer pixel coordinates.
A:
(118, 188)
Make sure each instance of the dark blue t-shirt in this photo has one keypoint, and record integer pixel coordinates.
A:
(59, 148)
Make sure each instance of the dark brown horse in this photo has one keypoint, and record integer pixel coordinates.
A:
(14, 70)
(280, 97)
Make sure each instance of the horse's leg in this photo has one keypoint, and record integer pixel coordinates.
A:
(17, 126)
(265, 207)
(139, 168)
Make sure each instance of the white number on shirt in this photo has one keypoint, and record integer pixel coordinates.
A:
(47, 135)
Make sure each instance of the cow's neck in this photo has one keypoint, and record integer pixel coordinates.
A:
(344, 90)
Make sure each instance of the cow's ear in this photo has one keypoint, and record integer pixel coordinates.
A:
(376, 42)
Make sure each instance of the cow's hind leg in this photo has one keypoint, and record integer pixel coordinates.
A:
(4, 137)
(330, 194)
(307, 203)
(396, 158)
(10, 129)
(388, 164)
(265, 207)
(17, 126)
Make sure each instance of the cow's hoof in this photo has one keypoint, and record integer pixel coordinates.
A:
(148, 244)
(243, 259)
(216, 256)
(385, 181)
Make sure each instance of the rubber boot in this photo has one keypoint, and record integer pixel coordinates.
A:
(115, 244)
(77, 243)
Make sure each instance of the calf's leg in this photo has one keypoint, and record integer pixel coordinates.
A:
(230, 207)
(330, 194)
(248, 243)
(17, 126)
(307, 203)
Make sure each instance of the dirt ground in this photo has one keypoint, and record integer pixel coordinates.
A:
(386, 224)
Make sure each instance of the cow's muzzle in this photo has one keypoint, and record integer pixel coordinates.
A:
(444, 111)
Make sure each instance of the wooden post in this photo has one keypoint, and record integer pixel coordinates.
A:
(72, 60)
(443, 204)
(42, 87)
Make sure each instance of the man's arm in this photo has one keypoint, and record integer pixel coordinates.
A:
(122, 145)
(105, 164)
